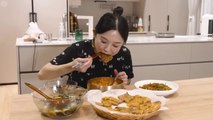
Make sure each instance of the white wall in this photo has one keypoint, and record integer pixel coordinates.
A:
(50, 14)
(13, 23)
(14, 19)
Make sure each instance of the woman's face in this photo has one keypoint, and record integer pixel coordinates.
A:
(109, 42)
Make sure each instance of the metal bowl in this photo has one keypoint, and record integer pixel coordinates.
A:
(72, 97)
(105, 83)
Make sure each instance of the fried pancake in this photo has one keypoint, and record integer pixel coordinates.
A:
(105, 57)
(109, 101)
(125, 97)
(122, 109)
(137, 100)
(135, 104)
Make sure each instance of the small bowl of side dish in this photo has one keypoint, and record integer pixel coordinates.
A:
(105, 83)
(158, 87)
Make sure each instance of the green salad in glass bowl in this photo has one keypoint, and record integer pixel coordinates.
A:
(66, 99)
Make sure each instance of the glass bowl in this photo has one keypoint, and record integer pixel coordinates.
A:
(67, 99)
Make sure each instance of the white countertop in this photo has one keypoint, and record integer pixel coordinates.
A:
(176, 39)
(131, 40)
(20, 42)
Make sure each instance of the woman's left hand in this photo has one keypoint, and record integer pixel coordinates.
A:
(123, 76)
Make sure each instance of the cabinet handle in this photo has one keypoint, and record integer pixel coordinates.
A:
(34, 57)
(168, 22)
(149, 26)
(100, 1)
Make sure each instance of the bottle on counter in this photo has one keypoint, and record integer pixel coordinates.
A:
(78, 34)
(140, 25)
(62, 32)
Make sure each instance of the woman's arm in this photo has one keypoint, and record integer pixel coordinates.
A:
(50, 71)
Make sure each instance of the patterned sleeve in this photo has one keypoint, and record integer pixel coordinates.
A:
(68, 55)
(127, 63)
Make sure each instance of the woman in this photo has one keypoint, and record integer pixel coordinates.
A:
(110, 35)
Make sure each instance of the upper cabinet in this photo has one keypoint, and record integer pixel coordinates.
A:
(125, 0)
(178, 13)
(157, 15)
(120, 0)
(166, 16)
(97, 9)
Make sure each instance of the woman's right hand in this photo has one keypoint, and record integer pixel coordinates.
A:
(81, 64)
(50, 71)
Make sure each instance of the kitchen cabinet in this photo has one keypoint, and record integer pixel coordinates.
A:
(201, 52)
(155, 54)
(178, 16)
(172, 60)
(161, 72)
(125, 0)
(161, 61)
(200, 70)
(153, 58)
(155, 13)
(31, 58)
(30, 78)
(166, 16)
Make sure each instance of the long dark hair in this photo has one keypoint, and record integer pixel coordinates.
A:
(113, 21)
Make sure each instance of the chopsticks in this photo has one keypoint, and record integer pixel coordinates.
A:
(79, 64)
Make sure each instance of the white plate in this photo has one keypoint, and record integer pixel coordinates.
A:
(174, 86)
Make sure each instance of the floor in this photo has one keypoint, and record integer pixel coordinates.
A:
(6, 95)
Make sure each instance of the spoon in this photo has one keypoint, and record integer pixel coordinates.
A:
(116, 77)
(37, 90)
(55, 101)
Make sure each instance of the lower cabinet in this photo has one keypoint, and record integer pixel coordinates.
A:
(30, 78)
(173, 72)
(30, 60)
(162, 72)
(149, 54)
(172, 61)
(201, 70)
(166, 61)
(33, 58)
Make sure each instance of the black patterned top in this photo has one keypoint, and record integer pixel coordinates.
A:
(121, 61)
